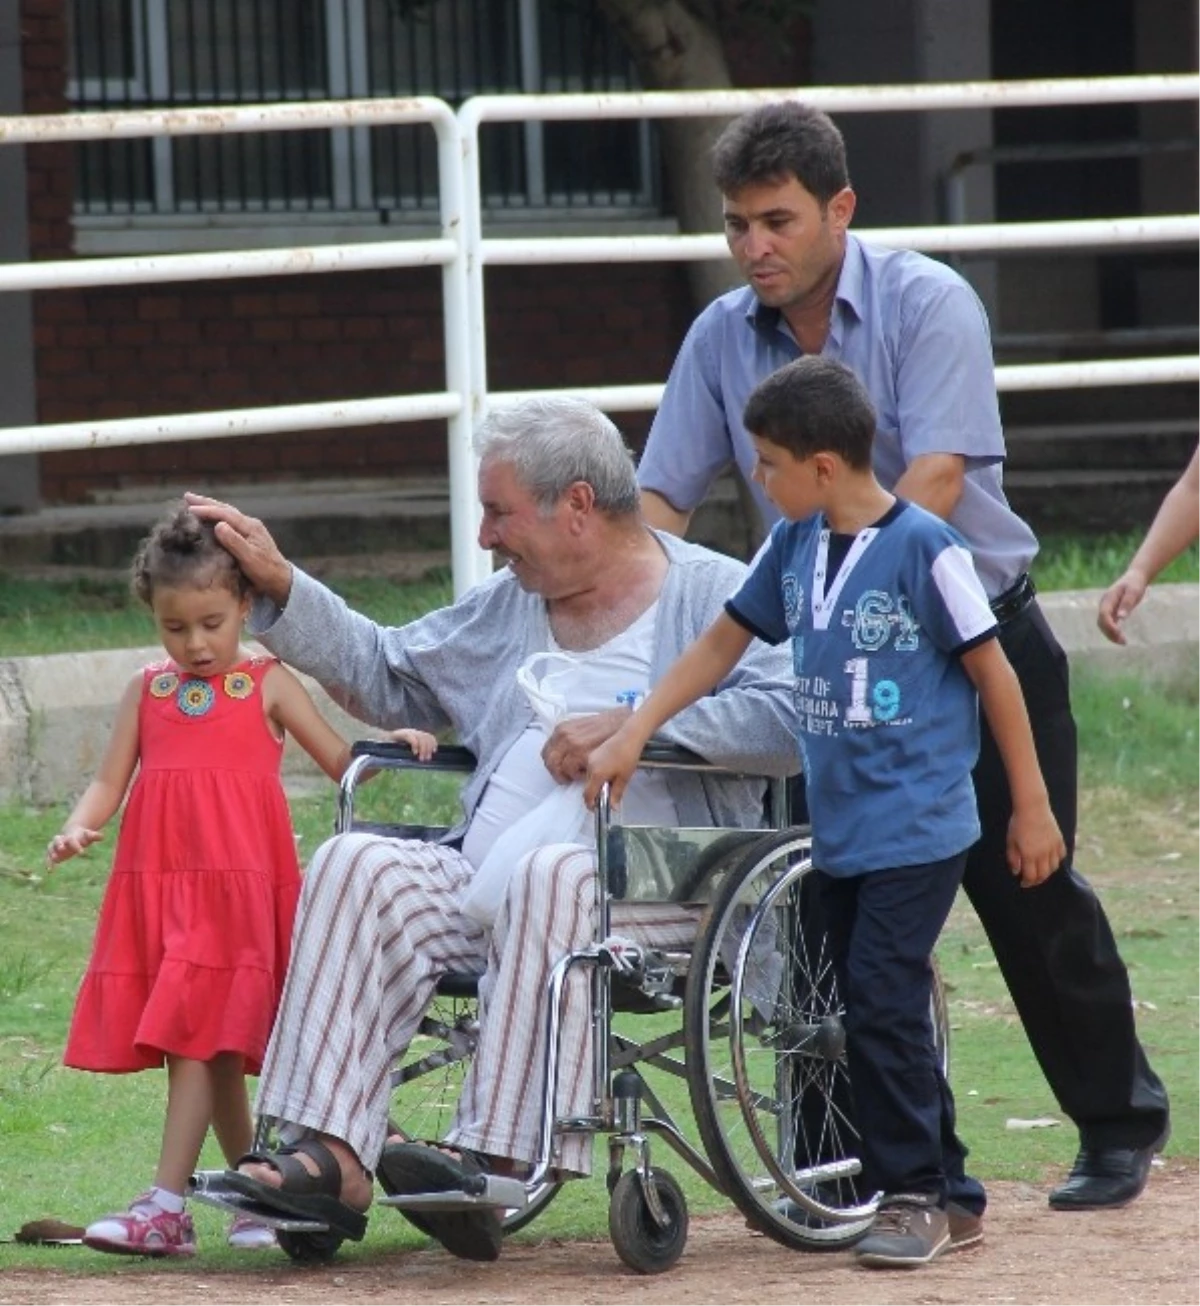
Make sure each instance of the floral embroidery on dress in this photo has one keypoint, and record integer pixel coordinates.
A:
(239, 684)
(195, 697)
(164, 684)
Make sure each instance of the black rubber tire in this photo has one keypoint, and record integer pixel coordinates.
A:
(745, 1098)
(769, 1089)
(310, 1248)
(640, 1241)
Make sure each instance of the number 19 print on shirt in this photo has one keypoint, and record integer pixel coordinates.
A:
(887, 719)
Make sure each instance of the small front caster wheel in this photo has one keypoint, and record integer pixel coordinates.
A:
(640, 1241)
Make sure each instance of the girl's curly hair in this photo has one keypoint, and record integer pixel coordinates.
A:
(182, 550)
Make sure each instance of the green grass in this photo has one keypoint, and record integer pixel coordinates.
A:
(66, 616)
(1075, 562)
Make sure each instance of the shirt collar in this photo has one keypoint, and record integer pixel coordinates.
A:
(847, 296)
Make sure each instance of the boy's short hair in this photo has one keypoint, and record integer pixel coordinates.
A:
(814, 405)
(779, 140)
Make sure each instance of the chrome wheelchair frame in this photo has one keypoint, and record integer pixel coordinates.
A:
(761, 1029)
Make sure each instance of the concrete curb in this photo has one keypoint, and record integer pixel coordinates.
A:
(56, 711)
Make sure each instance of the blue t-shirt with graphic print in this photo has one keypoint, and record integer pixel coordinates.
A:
(888, 718)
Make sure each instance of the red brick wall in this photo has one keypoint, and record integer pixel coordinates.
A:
(44, 77)
(132, 351)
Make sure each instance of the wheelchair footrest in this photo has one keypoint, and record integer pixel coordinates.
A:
(499, 1191)
(207, 1187)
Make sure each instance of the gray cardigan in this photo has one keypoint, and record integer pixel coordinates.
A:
(457, 668)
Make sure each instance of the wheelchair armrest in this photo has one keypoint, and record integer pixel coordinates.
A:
(658, 754)
(368, 755)
(397, 756)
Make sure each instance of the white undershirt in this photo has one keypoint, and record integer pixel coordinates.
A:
(616, 672)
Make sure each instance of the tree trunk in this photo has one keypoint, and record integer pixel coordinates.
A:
(676, 45)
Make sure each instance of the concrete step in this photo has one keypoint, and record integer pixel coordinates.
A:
(307, 519)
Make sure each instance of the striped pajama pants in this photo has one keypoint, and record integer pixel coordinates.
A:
(378, 924)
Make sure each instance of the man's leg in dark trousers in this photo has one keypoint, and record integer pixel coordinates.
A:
(882, 928)
(1054, 944)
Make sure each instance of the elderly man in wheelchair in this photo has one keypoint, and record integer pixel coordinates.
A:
(382, 921)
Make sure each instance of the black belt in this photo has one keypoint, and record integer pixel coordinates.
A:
(1019, 595)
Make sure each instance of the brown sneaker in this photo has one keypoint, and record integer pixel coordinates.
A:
(966, 1228)
(910, 1230)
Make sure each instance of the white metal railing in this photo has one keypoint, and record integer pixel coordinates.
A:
(448, 251)
(463, 252)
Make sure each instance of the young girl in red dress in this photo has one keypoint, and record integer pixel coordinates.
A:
(192, 942)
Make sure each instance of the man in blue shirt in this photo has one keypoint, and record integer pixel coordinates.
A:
(917, 336)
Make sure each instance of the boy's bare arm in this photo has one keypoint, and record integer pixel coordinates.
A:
(1035, 843)
(698, 669)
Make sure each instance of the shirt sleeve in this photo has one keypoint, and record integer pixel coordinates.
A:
(758, 604)
(954, 608)
(945, 377)
(689, 444)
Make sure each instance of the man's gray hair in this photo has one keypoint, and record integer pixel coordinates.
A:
(553, 442)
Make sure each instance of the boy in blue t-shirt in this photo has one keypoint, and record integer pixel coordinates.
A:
(894, 649)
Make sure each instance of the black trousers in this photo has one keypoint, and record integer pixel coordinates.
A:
(1054, 944)
(882, 928)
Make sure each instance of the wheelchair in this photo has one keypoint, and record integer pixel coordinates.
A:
(753, 1029)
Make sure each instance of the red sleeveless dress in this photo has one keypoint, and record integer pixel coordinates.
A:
(192, 943)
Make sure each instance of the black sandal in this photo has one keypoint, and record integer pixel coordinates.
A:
(302, 1194)
(404, 1168)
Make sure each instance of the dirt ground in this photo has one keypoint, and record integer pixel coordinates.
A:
(1147, 1254)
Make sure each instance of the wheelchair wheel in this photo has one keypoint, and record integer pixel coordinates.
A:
(640, 1241)
(309, 1248)
(429, 1078)
(767, 1077)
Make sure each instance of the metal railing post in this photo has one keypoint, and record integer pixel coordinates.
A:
(476, 405)
(465, 554)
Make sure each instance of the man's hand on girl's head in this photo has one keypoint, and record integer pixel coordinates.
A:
(250, 543)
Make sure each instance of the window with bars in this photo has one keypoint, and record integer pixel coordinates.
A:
(173, 53)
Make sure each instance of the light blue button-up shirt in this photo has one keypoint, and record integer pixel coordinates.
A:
(915, 334)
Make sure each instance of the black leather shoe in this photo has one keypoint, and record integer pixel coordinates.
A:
(1104, 1177)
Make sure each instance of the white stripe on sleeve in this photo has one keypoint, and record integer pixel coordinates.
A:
(962, 593)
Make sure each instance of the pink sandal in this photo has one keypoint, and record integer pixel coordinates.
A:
(144, 1230)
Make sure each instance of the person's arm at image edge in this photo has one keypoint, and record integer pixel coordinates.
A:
(1035, 843)
(1175, 526)
(698, 669)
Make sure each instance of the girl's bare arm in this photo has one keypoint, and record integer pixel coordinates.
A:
(104, 795)
(288, 704)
